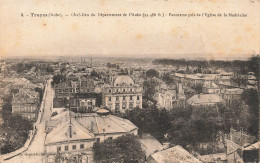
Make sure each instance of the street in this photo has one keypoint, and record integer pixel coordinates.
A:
(35, 152)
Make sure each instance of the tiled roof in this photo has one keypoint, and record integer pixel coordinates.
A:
(63, 133)
(205, 99)
(174, 155)
(95, 123)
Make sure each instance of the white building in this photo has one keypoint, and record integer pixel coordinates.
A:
(124, 94)
(205, 100)
(71, 134)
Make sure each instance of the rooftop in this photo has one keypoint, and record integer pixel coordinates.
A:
(174, 155)
(205, 99)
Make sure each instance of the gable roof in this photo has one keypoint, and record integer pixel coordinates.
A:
(68, 131)
(210, 84)
(96, 124)
(200, 99)
(175, 154)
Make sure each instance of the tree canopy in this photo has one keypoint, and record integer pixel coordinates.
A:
(122, 149)
(152, 73)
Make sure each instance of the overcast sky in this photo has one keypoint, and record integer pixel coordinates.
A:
(213, 38)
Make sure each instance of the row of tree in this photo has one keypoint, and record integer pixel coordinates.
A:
(15, 130)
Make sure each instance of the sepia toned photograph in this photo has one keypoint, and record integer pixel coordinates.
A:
(156, 81)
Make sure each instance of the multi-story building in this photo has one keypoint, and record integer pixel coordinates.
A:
(124, 94)
(230, 95)
(26, 104)
(73, 134)
(205, 100)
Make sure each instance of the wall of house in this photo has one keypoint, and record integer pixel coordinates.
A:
(118, 101)
(50, 149)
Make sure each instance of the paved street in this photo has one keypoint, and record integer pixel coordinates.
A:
(35, 152)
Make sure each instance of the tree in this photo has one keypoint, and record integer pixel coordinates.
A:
(150, 120)
(251, 98)
(152, 73)
(167, 79)
(122, 149)
(94, 74)
(40, 91)
(149, 89)
(198, 88)
(16, 129)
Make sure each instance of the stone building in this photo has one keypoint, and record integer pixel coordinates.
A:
(26, 104)
(72, 134)
(124, 94)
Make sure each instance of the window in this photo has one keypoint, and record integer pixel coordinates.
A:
(123, 107)
(74, 147)
(116, 90)
(131, 90)
(123, 90)
(138, 97)
(66, 148)
(117, 107)
(110, 138)
(81, 146)
(123, 97)
(58, 149)
(117, 98)
(109, 90)
(131, 97)
(109, 98)
(98, 140)
(131, 106)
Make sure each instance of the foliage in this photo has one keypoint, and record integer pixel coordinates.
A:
(191, 126)
(122, 149)
(198, 88)
(110, 65)
(167, 79)
(239, 79)
(40, 91)
(251, 98)
(58, 78)
(152, 73)
(33, 66)
(150, 120)
(95, 74)
(149, 89)
(16, 129)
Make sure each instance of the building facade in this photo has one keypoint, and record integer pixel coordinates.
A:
(124, 94)
(72, 134)
(26, 104)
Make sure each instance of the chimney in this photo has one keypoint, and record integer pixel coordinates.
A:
(166, 145)
(70, 131)
(92, 127)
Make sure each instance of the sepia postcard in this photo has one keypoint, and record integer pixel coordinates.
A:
(129, 81)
